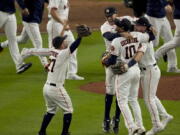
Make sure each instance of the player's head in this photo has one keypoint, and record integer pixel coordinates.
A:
(110, 14)
(122, 25)
(58, 42)
(142, 24)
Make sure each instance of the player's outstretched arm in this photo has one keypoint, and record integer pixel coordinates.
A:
(27, 52)
(82, 31)
(75, 44)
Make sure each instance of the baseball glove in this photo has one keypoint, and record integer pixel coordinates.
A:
(83, 30)
(105, 57)
(120, 67)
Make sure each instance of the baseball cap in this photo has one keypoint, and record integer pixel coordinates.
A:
(125, 24)
(57, 41)
(143, 21)
(109, 11)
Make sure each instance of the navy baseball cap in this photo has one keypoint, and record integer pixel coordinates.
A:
(57, 41)
(125, 24)
(143, 21)
(109, 11)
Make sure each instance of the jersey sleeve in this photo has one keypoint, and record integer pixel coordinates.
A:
(104, 28)
(142, 47)
(115, 47)
(142, 37)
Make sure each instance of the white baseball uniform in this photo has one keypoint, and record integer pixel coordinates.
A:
(175, 42)
(150, 75)
(8, 22)
(30, 30)
(163, 29)
(127, 84)
(110, 77)
(54, 29)
(54, 92)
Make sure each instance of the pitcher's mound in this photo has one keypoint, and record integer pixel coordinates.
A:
(168, 89)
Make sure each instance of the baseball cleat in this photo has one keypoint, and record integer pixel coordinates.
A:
(74, 77)
(1, 49)
(155, 130)
(106, 126)
(23, 68)
(133, 131)
(174, 70)
(141, 131)
(166, 120)
(115, 125)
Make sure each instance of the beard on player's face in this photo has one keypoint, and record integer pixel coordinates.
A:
(110, 19)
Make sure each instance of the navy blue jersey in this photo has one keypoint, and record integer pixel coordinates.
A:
(8, 6)
(177, 9)
(156, 8)
(36, 8)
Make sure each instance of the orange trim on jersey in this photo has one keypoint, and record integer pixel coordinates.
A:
(117, 82)
(149, 97)
(64, 99)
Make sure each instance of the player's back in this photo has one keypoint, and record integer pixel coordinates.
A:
(58, 66)
(125, 48)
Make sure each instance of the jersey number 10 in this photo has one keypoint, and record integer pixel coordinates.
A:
(130, 51)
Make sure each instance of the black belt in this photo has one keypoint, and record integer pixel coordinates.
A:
(143, 68)
(52, 84)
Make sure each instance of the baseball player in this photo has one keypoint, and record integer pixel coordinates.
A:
(54, 92)
(31, 26)
(109, 33)
(150, 75)
(127, 84)
(156, 14)
(8, 22)
(59, 10)
(175, 42)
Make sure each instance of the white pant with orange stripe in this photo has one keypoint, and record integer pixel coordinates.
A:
(54, 29)
(56, 96)
(127, 86)
(149, 82)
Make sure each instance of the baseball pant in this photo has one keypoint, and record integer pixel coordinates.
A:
(57, 97)
(127, 86)
(149, 82)
(30, 30)
(54, 29)
(110, 80)
(8, 22)
(163, 29)
(175, 42)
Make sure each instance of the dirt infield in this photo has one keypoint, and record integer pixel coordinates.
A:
(88, 12)
(168, 88)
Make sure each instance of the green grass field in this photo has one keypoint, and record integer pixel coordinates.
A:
(22, 105)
